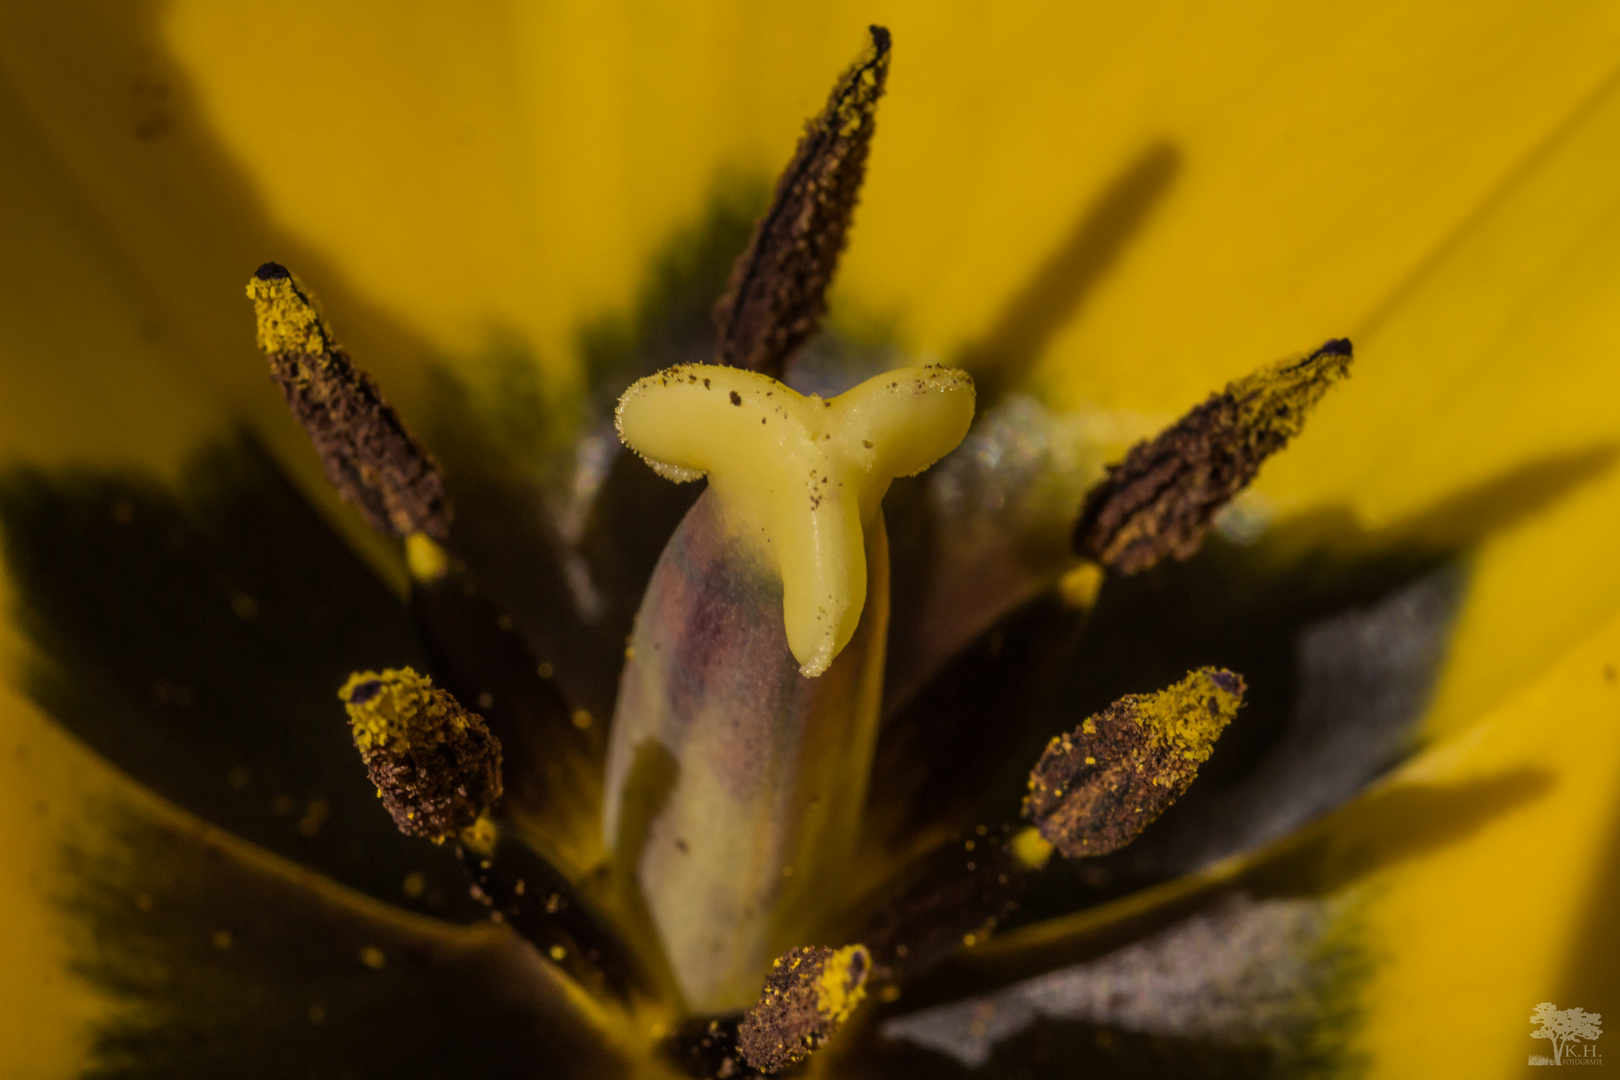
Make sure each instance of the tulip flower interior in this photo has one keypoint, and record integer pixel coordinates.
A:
(796, 706)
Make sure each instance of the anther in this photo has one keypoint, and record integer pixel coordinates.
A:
(436, 766)
(777, 293)
(369, 456)
(1160, 500)
(808, 995)
(1095, 789)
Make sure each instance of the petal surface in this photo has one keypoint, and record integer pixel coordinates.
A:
(1492, 376)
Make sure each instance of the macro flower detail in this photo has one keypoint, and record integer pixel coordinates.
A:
(808, 995)
(777, 293)
(1159, 501)
(436, 766)
(1068, 756)
(1095, 789)
(808, 489)
(368, 454)
(749, 705)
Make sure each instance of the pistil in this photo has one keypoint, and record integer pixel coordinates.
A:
(747, 714)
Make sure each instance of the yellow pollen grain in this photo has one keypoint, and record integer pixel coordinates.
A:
(288, 322)
(406, 710)
(1189, 716)
(842, 985)
(480, 837)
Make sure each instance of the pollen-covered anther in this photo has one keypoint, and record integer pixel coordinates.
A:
(1095, 789)
(777, 292)
(808, 995)
(799, 479)
(1160, 500)
(371, 459)
(436, 766)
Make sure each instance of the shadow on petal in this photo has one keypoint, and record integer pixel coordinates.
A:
(1058, 289)
(1394, 824)
(196, 638)
(954, 577)
(224, 961)
(1234, 989)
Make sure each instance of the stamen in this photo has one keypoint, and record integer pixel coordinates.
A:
(1094, 790)
(369, 456)
(536, 900)
(807, 997)
(799, 478)
(776, 297)
(954, 896)
(1159, 501)
(436, 766)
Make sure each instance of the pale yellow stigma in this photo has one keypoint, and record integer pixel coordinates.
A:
(800, 477)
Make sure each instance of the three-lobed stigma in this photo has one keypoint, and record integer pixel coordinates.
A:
(799, 477)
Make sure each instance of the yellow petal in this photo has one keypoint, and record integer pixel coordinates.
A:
(1519, 910)
(89, 370)
(1494, 373)
(44, 1010)
(514, 167)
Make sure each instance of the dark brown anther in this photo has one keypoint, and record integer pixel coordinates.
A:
(1095, 789)
(1160, 500)
(777, 293)
(369, 456)
(436, 766)
(808, 995)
